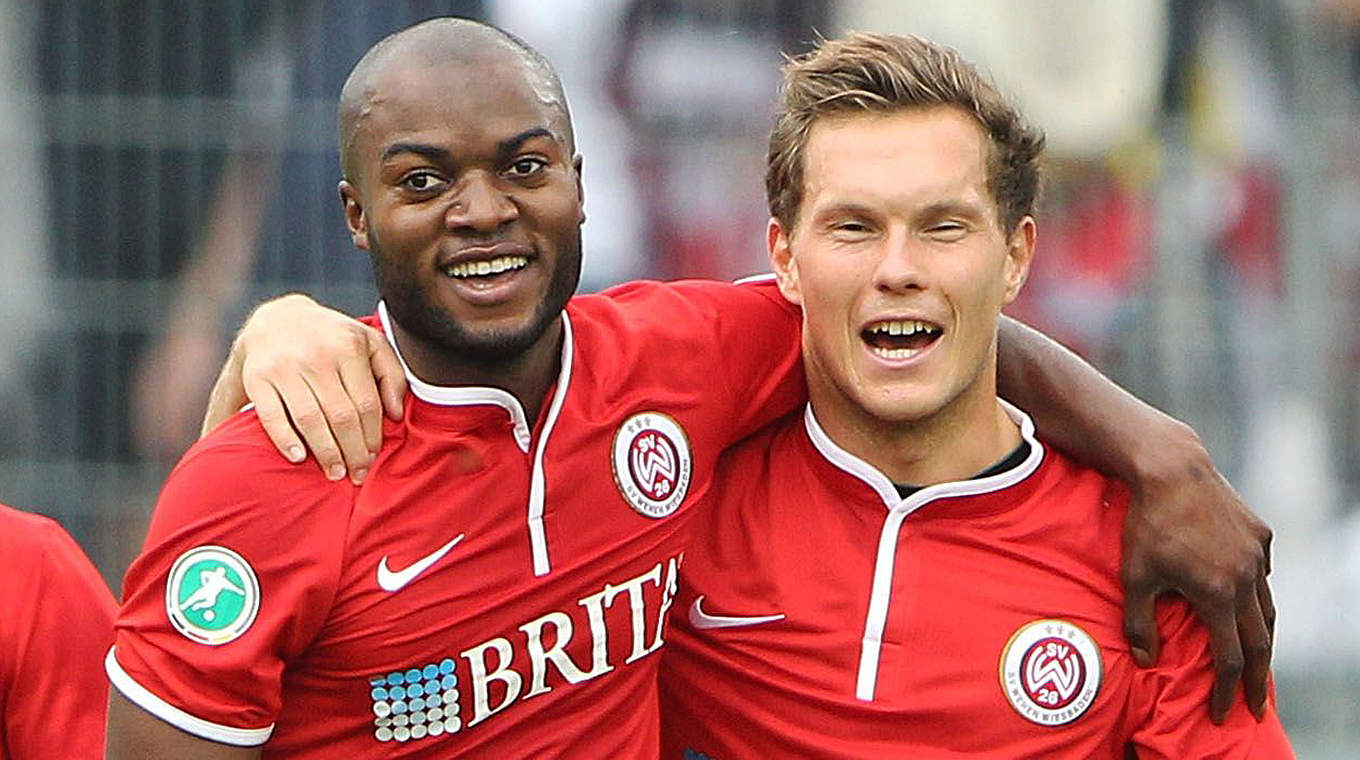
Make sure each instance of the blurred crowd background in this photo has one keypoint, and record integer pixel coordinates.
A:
(165, 165)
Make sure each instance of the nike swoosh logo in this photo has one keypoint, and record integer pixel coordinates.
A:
(702, 620)
(395, 581)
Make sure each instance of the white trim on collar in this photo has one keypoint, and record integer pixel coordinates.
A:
(872, 476)
(752, 278)
(459, 395)
(898, 509)
(884, 487)
(445, 395)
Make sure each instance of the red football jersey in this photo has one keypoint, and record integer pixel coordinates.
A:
(496, 588)
(821, 615)
(56, 625)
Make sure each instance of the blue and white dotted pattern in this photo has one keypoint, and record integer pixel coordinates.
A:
(416, 703)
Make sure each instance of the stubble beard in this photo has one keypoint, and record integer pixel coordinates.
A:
(417, 314)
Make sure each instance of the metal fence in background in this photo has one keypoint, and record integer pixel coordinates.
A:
(186, 168)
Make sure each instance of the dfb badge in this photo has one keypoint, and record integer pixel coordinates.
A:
(1050, 672)
(652, 463)
(212, 595)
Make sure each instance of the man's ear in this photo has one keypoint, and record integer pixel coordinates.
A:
(781, 261)
(354, 214)
(577, 163)
(1019, 254)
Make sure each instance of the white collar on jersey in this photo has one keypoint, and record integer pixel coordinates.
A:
(883, 485)
(750, 278)
(876, 619)
(445, 395)
(469, 395)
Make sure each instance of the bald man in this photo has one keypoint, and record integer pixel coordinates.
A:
(497, 585)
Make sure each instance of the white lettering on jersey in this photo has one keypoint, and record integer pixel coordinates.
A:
(599, 634)
(494, 660)
(540, 657)
(638, 606)
(481, 678)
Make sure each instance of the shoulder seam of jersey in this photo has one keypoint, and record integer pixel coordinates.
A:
(145, 699)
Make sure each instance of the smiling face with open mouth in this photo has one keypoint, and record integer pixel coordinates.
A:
(462, 186)
(899, 261)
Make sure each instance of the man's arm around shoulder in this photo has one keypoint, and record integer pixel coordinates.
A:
(1187, 530)
(1167, 697)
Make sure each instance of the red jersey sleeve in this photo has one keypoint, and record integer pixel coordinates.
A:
(57, 624)
(739, 340)
(1169, 702)
(236, 577)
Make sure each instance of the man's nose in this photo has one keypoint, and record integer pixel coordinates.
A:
(480, 204)
(901, 267)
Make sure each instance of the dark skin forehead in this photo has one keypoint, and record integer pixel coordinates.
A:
(459, 48)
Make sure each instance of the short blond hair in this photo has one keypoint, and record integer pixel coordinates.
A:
(882, 73)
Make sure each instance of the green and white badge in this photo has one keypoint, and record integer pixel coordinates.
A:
(212, 595)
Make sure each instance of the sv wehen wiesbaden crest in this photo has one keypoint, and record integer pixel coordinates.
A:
(1050, 672)
(652, 462)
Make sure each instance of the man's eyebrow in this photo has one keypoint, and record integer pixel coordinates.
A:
(432, 152)
(956, 206)
(511, 144)
(960, 207)
(843, 208)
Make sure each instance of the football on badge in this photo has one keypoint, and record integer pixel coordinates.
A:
(212, 595)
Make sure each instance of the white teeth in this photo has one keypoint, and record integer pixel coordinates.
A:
(896, 353)
(483, 268)
(903, 327)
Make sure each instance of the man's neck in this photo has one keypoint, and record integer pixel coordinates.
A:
(970, 434)
(526, 376)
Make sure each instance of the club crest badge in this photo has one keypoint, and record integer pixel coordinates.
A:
(651, 461)
(212, 595)
(1050, 672)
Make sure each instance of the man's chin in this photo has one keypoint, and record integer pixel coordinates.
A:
(498, 343)
(902, 406)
